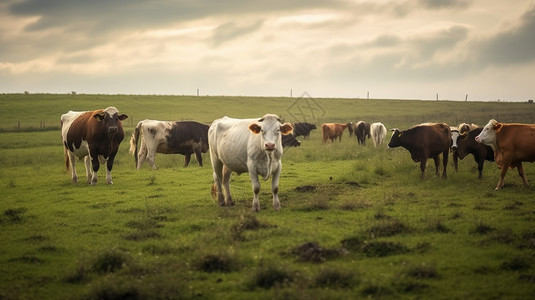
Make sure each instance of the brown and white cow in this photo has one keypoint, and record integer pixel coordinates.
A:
(94, 136)
(168, 137)
(465, 144)
(362, 131)
(247, 145)
(512, 145)
(332, 131)
(425, 141)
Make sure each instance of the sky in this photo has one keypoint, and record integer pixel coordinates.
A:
(480, 50)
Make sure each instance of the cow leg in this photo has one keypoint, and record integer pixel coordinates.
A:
(96, 165)
(256, 190)
(109, 166)
(72, 162)
(151, 157)
(480, 163)
(198, 156)
(88, 169)
(436, 159)
(455, 161)
(142, 155)
(226, 187)
(423, 162)
(522, 174)
(445, 156)
(503, 171)
(275, 189)
(187, 158)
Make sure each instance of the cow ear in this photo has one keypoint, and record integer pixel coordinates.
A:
(99, 116)
(400, 133)
(255, 128)
(498, 127)
(123, 117)
(286, 128)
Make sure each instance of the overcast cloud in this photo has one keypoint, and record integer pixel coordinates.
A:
(409, 49)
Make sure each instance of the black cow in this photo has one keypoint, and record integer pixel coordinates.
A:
(466, 144)
(303, 129)
(169, 137)
(362, 131)
(424, 141)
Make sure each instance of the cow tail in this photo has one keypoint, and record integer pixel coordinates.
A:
(66, 155)
(134, 140)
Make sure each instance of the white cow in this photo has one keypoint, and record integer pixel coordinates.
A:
(247, 145)
(378, 133)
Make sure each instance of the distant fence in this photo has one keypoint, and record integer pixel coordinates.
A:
(450, 118)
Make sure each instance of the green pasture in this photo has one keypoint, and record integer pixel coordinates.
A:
(356, 221)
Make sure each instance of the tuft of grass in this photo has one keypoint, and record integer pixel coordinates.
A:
(381, 249)
(109, 261)
(422, 271)
(388, 228)
(313, 252)
(482, 229)
(14, 215)
(270, 276)
(334, 278)
(210, 263)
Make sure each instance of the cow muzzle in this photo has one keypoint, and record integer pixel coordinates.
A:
(113, 129)
(269, 146)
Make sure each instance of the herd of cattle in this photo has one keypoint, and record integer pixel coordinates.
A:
(256, 145)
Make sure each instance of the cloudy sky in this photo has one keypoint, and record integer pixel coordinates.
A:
(401, 49)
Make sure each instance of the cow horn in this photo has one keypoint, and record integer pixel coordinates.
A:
(261, 120)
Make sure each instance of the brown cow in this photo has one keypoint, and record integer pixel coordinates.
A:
(362, 131)
(93, 135)
(424, 141)
(331, 131)
(512, 145)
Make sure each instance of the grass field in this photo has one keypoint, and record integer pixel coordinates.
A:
(355, 222)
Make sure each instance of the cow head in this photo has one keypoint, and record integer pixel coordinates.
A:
(395, 140)
(454, 136)
(488, 134)
(110, 118)
(270, 128)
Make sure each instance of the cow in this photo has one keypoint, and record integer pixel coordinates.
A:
(303, 129)
(362, 131)
(332, 131)
(465, 144)
(247, 145)
(378, 133)
(350, 128)
(94, 136)
(168, 137)
(512, 144)
(289, 140)
(425, 141)
(455, 133)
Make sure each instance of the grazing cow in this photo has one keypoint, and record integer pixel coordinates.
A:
(378, 133)
(331, 131)
(289, 140)
(512, 145)
(93, 135)
(362, 131)
(168, 137)
(424, 141)
(465, 144)
(247, 145)
(303, 129)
